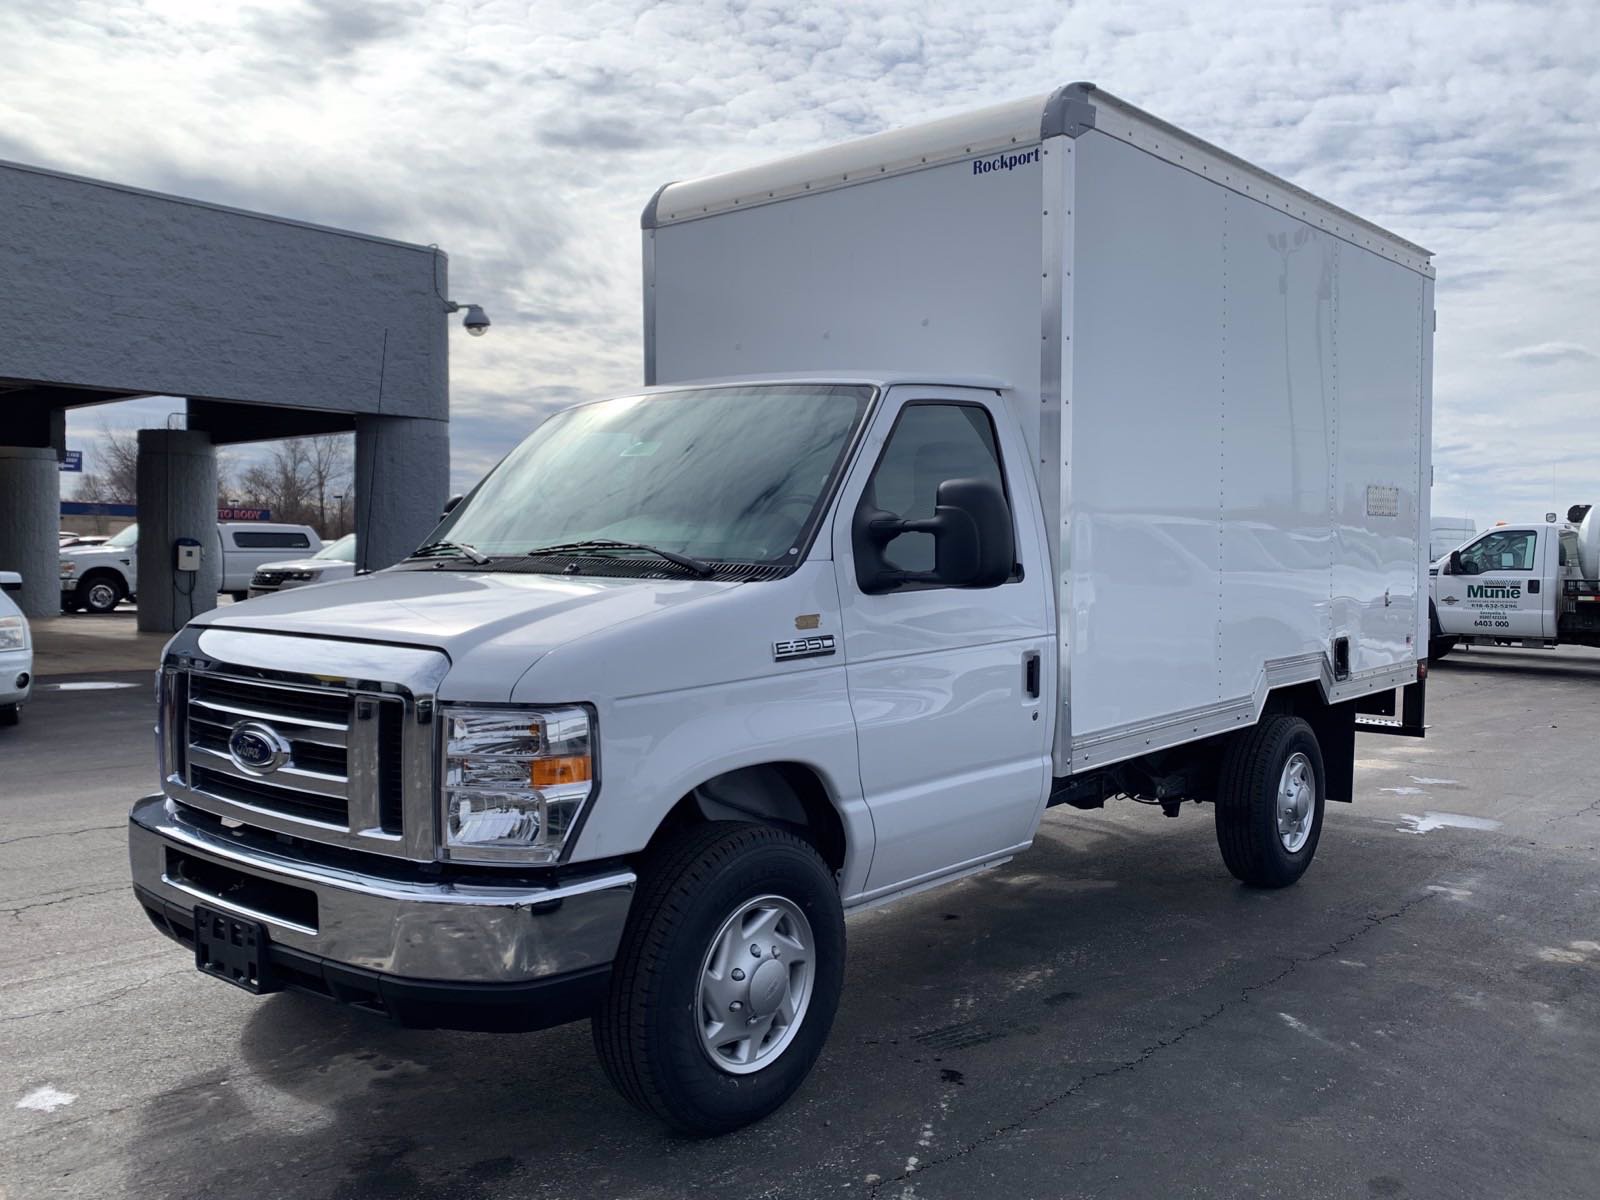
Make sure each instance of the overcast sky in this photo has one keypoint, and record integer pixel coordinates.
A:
(524, 138)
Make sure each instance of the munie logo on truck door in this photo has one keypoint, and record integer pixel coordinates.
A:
(1494, 591)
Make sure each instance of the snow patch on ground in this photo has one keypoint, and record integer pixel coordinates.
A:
(1426, 782)
(1455, 893)
(1402, 791)
(46, 1099)
(1430, 821)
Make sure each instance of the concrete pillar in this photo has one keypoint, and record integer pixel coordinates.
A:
(177, 493)
(30, 518)
(402, 482)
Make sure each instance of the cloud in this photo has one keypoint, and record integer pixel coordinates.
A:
(524, 139)
(1552, 353)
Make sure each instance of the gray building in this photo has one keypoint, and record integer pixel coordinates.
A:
(266, 327)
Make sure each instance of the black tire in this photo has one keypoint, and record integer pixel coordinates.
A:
(647, 1031)
(1438, 644)
(1247, 802)
(100, 591)
(238, 596)
(10, 714)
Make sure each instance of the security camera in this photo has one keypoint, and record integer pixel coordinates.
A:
(476, 320)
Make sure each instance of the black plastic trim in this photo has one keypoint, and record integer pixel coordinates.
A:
(1068, 112)
(647, 219)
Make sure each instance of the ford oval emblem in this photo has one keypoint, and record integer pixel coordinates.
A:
(257, 747)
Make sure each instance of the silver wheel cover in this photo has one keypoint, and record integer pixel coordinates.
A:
(755, 985)
(1297, 802)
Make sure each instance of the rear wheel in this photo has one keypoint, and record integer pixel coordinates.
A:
(100, 592)
(1270, 802)
(10, 714)
(727, 979)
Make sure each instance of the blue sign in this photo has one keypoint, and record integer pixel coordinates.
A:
(72, 460)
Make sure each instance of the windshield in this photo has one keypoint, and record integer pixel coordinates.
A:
(344, 549)
(731, 473)
(128, 537)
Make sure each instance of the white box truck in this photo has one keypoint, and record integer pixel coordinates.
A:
(1036, 456)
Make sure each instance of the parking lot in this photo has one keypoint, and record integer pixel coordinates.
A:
(1109, 1015)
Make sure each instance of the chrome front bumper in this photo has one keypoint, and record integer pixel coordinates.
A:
(388, 917)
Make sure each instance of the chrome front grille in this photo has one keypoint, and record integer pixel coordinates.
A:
(313, 785)
(352, 747)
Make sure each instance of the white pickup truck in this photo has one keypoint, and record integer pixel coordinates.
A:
(698, 670)
(1534, 585)
(98, 578)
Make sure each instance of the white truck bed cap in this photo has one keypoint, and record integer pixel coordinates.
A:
(1070, 110)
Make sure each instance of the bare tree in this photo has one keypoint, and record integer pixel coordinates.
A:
(115, 479)
(298, 479)
(329, 464)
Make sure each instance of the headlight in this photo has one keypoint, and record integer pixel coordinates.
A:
(514, 781)
(13, 633)
(68, 569)
(299, 575)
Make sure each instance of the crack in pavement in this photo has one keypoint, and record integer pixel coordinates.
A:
(30, 837)
(1148, 1052)
(95, 1003)
(16, 913)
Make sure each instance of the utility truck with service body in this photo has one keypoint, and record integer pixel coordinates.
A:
(1037, 456)
(1534, 585)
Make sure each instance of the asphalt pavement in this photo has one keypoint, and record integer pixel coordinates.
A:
(1108, 1015)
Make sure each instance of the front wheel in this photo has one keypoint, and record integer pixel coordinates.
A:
(100, 593)
(727, 979)
(1270, 802)
(10, 714)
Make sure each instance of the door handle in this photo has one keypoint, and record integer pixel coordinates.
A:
(1030, 674)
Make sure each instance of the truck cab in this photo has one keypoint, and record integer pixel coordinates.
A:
(1526, 583)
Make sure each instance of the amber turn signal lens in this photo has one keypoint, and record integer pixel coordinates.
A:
(553, 772)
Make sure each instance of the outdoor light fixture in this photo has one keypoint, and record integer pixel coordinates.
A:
(476, 320)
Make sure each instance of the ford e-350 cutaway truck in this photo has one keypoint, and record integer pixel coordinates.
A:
(1040, 455)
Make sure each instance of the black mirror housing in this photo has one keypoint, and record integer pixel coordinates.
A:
(1456, 566)
(450, 505)
(971, 528)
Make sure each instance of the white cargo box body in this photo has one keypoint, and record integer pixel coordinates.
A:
(1227, 382)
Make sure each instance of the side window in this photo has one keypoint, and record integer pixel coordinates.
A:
(271, 540)
(1500, 550)
(930, 444)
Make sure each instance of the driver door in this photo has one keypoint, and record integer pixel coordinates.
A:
(947, 685)
(1496, 590)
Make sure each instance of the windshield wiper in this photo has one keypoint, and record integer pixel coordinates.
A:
(687, 562)
(460, 549)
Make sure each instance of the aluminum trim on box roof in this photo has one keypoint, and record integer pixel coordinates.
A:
(1072, 110)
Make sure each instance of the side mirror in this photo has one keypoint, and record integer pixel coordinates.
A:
(971, 528)
(449, 505)
(10, 581)
(1456, 566)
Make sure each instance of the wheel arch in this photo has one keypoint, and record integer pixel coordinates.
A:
(785, 794)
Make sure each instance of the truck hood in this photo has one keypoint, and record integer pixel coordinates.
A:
(493, 626)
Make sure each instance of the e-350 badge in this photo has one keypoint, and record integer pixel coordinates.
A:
(803, 647)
